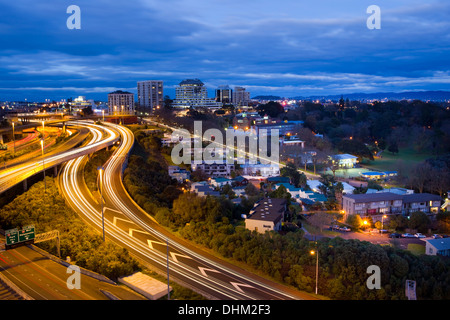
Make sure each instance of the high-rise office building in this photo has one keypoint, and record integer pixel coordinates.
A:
(241, 97)
(224, 94)
(150, 95)
(193, 93)
(121, 103)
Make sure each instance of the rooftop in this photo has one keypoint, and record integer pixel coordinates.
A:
(191, 82)
(440, 244)
(268, 209)
(344, 156)
(388, 196)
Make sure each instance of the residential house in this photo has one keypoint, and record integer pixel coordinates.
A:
(202, 189)
(179, 174)
(266, 215)
(219, 182)
(440, 247)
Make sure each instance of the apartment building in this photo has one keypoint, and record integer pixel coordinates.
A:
(150, 95)
(121, 103)
(381, 203)
(213, 169)
(192, 93)
(241, 97)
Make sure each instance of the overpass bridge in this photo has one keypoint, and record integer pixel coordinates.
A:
(20, 173)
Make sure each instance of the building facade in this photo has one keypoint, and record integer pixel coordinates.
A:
(241, 98)
(150, 95)
(192, 93)
(213, 169)
(224, 94)
(121, 103)
(381, 203)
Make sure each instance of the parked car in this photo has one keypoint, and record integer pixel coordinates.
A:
(346, 229)
(395, 235)
(407, 235)
(419, 235)
(436, 236)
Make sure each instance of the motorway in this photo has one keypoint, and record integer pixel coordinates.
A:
(128, 225)
(18, 173)
(44, 279)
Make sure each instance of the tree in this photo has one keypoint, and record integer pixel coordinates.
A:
(419, 220)
(320, 220)
(355, 147)
(272, 109)
(393, 147)
(295, 177)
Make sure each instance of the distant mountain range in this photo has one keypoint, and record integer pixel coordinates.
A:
(415, 95)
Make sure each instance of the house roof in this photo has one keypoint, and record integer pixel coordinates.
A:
(220, 179)
(278, 179)
(344, 156)
(363, 197)
(388, 196)
(268, 209)
(420, 197)
(440, 244)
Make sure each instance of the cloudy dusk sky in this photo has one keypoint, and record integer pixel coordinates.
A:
(277, 47)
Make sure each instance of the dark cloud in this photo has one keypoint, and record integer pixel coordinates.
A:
(284, 47)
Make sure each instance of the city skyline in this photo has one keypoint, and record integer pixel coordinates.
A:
(286, 49)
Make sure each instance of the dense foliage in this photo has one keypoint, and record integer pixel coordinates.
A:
(211, 222)
(84, 246)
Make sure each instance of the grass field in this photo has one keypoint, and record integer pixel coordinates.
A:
(406, 158)
(416, 249)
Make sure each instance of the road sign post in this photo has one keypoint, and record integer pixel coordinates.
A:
(16, 236)
(11, 236)
(27, 233)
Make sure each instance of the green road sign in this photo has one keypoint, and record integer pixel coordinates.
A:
(27, 233)
(12, 236)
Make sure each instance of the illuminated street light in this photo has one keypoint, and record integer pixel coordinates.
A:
(382, 221)
(100, 172)
(43, 163)
(317, 266)
(14, 143)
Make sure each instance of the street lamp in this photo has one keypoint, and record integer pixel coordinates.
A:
(317, 266)
(382, 221)
(43, 164)
(100, 172)
(14, 143)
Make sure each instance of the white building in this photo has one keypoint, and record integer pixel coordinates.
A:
(192, 93)
(121, 103)
(344, 160)
(260, 169)
(214, 169)
(150, 95)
